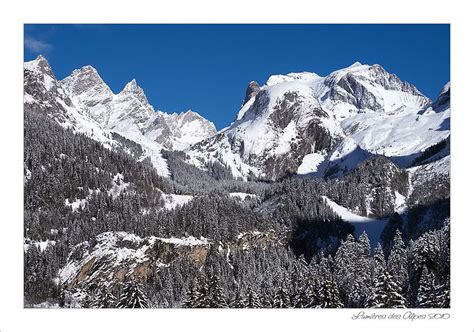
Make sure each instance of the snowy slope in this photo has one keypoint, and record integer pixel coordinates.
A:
(373, 227)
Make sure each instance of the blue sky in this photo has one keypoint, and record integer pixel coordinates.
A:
(206, 68)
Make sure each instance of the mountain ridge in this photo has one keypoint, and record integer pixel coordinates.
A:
(298, 123)
(84, 102)
(324, 119)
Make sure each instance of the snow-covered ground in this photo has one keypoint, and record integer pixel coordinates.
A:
(75, 205)
(373, 227)
(118, 185)
(41, 245)
(172, 200)
(242, 196)
(311, 163)
(400, 203)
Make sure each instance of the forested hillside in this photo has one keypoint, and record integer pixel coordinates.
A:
(134, 218)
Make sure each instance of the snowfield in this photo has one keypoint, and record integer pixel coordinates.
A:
(373, 227)
(172, 200)
(242, 196)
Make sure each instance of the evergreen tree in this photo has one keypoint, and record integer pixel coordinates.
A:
(216, 293)
(252, 300)
(312, 295)
(397, 262)
(379, 264)
(301, 299)
(132, 297)
(352, 271)
(281, 298)
(329, 293)
(190, 297)
(202, 295)
(431, 294)
(386, 293)
(104, 298)
(238, 301)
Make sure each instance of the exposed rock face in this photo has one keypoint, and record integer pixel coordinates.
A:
(120, 256)
(255, 239)
(179, 131)
(88, 91)
(252, 89)
(444, 99)
(272, 136)
(369, 88)
(42, 91)
(86, 85)
(356, 94)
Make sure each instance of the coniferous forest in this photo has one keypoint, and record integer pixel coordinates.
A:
(306, 200)
(281, 246)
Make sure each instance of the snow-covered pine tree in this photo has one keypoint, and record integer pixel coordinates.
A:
(431, 294)
(238, 301)
(216, 293)
(379, 264)
(104, 298)
(132, 297)
(397, 262)
(386, 293)
(202, 295)
(252, 300)
(329, 293)
(299, 297)
(364, 244)
(352, 271)
(312, 295)
(281, 298)
(190, 297)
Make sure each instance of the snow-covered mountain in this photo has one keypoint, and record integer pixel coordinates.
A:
(84, 102)
(102, 230)
(43, 93)
(299, 123)
(307, 124)
(130, 114)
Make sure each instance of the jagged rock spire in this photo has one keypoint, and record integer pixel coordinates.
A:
(252, 89)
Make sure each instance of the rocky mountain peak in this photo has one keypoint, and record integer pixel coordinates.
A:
(252, 89)
(132, 88)
(40, 65)
(365, 88)
(355, 64)
(86, 85)
(444, 98)
(302, 77)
